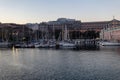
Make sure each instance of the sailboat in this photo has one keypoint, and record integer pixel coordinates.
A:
(66, 43)
(5, 43)
(43, 43)
(52, 42)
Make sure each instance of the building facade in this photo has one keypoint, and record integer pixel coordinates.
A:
(111, 34)
(76, 26)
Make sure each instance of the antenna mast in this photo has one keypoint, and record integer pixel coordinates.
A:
(113, 17)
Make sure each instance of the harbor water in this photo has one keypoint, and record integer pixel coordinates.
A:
(49, 64)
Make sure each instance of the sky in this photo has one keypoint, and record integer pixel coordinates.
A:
(36, 11)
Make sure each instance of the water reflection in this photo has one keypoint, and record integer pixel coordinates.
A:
(16, 62)
(44, 64)
(112, 48)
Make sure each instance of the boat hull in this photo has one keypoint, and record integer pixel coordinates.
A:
(5, 45)
(109, 43)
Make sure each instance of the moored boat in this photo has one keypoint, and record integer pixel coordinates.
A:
(5, 45)
(108, 43)
(66, 45)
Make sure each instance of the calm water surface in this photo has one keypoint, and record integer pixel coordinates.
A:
(43, 64)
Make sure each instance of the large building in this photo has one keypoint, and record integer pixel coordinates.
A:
(76, 28)
(111, 34)
(97, 26)
(76, 25)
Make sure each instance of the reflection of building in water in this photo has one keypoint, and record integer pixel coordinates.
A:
(15, 56)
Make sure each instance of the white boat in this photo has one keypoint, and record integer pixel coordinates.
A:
(106, 43)
(30, 45)
(66, 42)
(36, 45)
(5, 45)
(52, 44)
(44, 44)
(66, 45)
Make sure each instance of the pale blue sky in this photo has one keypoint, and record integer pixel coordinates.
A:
(25, 11)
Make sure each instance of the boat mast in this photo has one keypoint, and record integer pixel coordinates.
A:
(53, 32)
(2, 35)
(65, 33)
